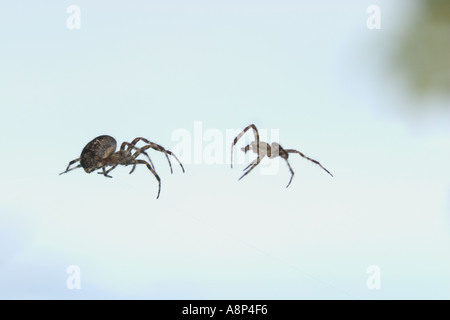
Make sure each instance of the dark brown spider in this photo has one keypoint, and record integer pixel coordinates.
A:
(101, 152)
(263, 149)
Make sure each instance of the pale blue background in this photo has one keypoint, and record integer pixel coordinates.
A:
(310, 69)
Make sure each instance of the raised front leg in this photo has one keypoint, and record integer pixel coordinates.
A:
(255, 132)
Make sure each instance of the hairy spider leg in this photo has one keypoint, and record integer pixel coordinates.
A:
(131, 146)
(70, 163)
(159, 148)
(255, 132)
(138, 152)
(153, 171)
(315, 161)
(162, 150)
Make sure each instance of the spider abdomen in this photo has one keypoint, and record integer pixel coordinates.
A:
(96, 151)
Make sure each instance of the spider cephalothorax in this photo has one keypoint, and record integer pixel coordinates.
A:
(101, 153)
(263, 149)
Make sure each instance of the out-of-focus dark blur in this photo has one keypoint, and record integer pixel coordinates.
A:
(422, 55)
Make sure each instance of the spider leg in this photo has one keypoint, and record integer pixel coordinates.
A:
(132, 169)
(292, 172)
(137, 153)
(252, 165)
(130, 147)
(153, 171)
(105, 172)
(173, 155)
(255, 131)
(134, 164)
(315, 161)
(71, 163)
(165, 153)
(159, 148)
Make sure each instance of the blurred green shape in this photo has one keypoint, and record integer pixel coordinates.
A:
(423, 55)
